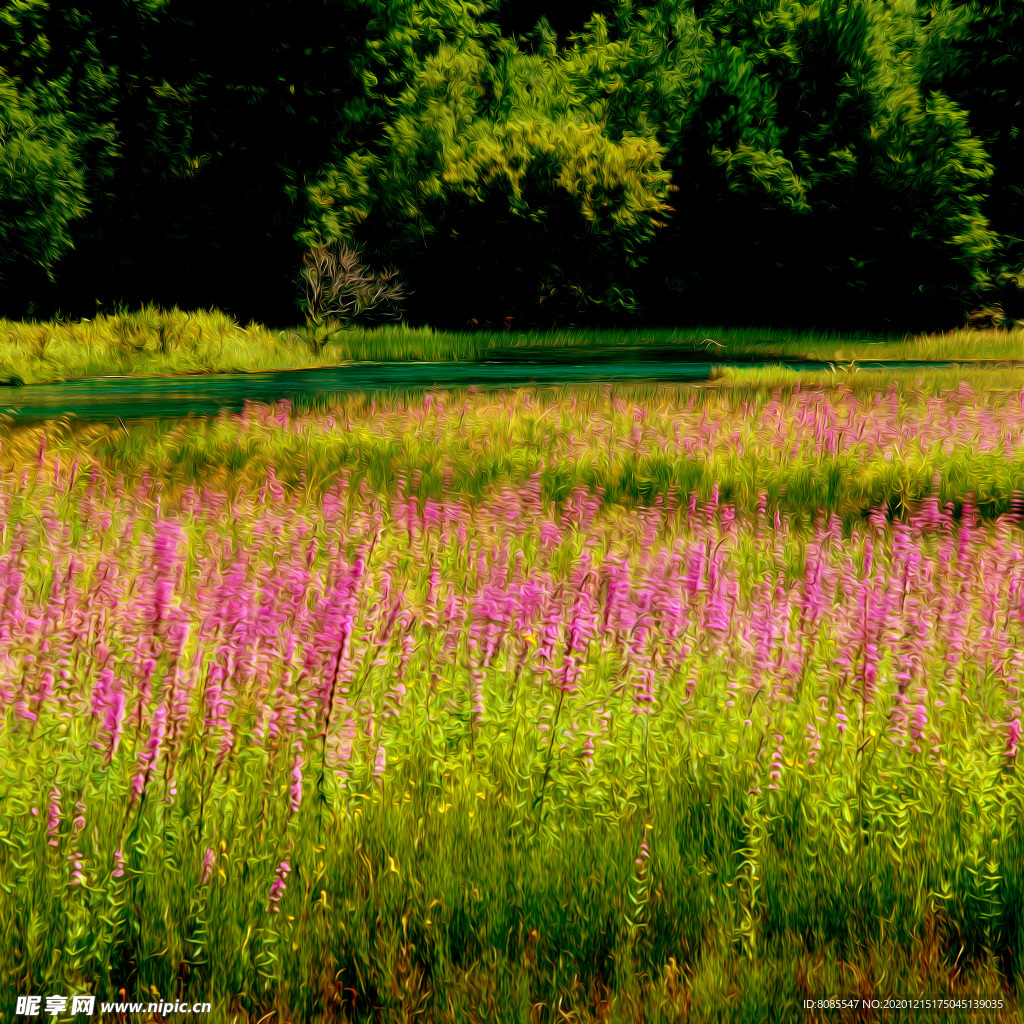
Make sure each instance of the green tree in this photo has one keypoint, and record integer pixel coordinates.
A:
(251, 98)
(817, 181)
(81, 65)
(42, 191)
(490, 183)
(818, 157)
(199, 124)
(975, 54)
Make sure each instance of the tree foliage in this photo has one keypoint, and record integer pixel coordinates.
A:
(977, 59)
(834, 162)
(813, 168)
(42, 190)
(497, 186)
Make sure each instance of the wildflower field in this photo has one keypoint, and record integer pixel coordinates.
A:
(634, 704)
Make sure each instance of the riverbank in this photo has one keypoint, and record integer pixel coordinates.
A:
(153, 342)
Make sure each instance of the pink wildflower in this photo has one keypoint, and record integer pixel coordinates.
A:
(1013, 733)
(151, 754)
(295, 793)
(77, 878)
(278, 886)
(841, 719)
(54, 823)
(208, 858)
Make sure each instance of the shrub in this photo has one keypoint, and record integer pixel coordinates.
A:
(336, 286)
(988, 319)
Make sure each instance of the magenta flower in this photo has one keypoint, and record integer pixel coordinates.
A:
(208, 858)
(54, 822)
(643, 692)
(278, 886)
(1013, 733)
(295, 793)
(841, 719)
(815, 748)
(151, 754)
(112, 720)
(588, 751)
(920, 722)
(776, 769)
(644, 854)
(77, 878)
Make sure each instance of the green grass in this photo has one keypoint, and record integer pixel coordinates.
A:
(486, 874)
(912, 384)
(750, 436)
(153, 342)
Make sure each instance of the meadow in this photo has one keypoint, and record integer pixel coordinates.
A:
(155, 341)
(590, 704)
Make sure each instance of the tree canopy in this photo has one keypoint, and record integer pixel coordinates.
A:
(836, 163)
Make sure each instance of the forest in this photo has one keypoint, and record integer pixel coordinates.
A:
(850, 164)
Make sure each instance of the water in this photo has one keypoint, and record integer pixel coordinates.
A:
(110, 398)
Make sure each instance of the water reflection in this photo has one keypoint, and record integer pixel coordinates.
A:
(133, 397)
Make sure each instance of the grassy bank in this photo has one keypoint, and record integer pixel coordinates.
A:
(152, 341)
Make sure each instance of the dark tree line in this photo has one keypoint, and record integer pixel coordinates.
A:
(841, 163)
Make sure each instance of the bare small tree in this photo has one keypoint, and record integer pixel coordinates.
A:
(336, 287)
(988, 319)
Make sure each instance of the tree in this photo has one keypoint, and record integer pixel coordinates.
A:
(42, 190)
(814, 171)
(490, 184)
(826, 163)
(199, 125)
(974, 52)
(80, 65)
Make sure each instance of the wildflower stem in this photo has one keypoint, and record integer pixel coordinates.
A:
(323, 738)
(547, 770)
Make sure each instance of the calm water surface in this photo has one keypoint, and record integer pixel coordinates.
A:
(133, 397)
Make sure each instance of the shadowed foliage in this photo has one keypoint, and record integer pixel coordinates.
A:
(842, 162)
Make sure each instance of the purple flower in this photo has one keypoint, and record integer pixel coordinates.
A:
(151, 754)
(208, 858)
(644, 854)
(296, 788)
(112, 720)
(841, 719)
(278, 886)
(54, 823)
(776, 769)
(1013, 733)
(77, 878)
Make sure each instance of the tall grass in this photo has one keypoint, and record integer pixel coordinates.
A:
(845, 450)
(532, 706)
(367, 755)
(152, 341)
